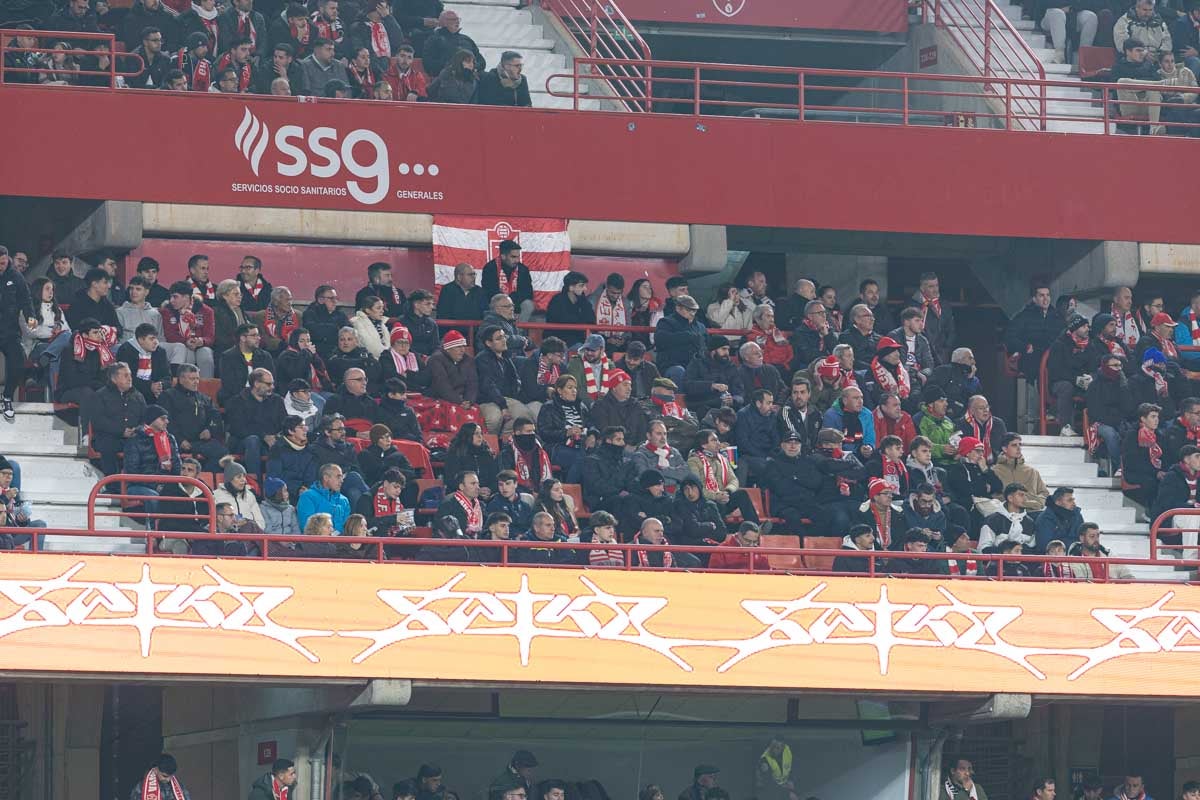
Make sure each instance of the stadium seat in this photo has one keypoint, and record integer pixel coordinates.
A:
(783, 562)
(357, 425)
(417, 455)
(1096, 62)
(575, 492)
(821, 563)
(209, 388)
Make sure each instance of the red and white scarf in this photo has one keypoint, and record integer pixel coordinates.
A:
(280, 327)
(931, 303)
(594, 387)
(278, 790)
(713, 483)
(1115, 347)
(883, 525)
(760, 336)
(162, 448)
(899, 384)
(201, 78)
(1079, 346)
(846, 378)
(507, 283)
(246, 29)
(152, 791)
(663, 453)
(547, 373)
(966, 567)
(209, 20)
(604, 558)
(1146, 438)
(81, 346)
(1167, 346)
(404, 363)
(610, 313)
(1059, 571)
(301, 39)
(1194, 326)
(643, 558)
(1127, 328)
(326, 29)
(1190, 479)
(1160, 383)
(891, 472)
(474, 513)
(188, 323)
(668, 408)
(144, 368)
(523, 467)
(365, 78)
(208, 290)
(255, 290)
(983, 434)
(386, 506)
(381, 44)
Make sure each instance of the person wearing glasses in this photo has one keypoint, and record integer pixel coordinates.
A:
(737, 551)
(155, 63)
(323, 320)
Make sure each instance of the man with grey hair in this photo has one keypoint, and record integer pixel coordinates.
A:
(325, 498)
(505, 85)
(194, 422)
(791, 308)
(756, 374)
(861, 336)
(444, 42)
(812, 338)
(656, 453)
(543, 529)
(501, 313)
(958, 380)
(255, 417)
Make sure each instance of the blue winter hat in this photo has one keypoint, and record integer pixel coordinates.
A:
(1154, 356)
(273, 486)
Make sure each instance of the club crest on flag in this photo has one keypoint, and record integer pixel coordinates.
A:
(499, 233)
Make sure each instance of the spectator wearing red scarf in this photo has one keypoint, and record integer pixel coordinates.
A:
(892, 420)
(1142, 456)
(939, 318)
(152, 450)
(278, 784)
(980, 423)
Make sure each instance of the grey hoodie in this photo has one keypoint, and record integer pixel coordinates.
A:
(280, 518)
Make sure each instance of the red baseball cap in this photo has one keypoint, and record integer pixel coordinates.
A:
(1162, 318)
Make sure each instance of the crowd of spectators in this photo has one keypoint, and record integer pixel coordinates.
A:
(609, 435)
(414, 51)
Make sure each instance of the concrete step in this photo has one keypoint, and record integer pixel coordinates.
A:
(35, 445)
(1140, 530)
(534, 60)
(1066, 472)
(1104, 517)
(1074, 126)
(1069, 92)
(478, 15)
(34, 408)
(1039, 456)
(1081, 483)
(511, 37)
(1099, 498)
(1060, 71)
(94, 544)
(1033, 440)
(543, 100)
(1063, 108)
(1158, 572)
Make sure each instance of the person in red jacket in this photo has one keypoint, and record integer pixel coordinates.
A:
(189, 328)
(736, 552)
(892, 420)
(408, 83)
(776, 347)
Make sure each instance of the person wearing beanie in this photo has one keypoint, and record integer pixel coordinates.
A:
(883, 516)
(712, 380)
(860, 334)
(1032, 330)
(1149, 383)
(152, 450)
(971, 482)
(608, 477)
(193, 61)
(381, 456)
(452, 375)
(1105, 341)
(1069, 371)
(277, 509)
(619, 408)
(571, 307)
(937, 427)
(885, 368)
(292, 458)
(235, 490)
(400, 361)
(18, 512)
(592, 369)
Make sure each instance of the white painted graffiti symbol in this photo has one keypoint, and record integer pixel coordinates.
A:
(589, 613)
(148, 607)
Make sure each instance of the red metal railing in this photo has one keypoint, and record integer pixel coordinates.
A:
(1162, 525)
(124, 498)
(537, 329)
(604, 32)
(996, 49)
(108, 53)
(812, 561)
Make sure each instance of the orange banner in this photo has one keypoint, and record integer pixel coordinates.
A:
(296, 619)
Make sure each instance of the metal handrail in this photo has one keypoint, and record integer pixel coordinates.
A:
(124, 479)
(603, 30)
(67, 36)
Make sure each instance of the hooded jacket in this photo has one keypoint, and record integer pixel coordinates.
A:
(1109, 401)
(1015, 470)
(677, 341)
(1174, 492)
(607, 473)
(280, 518)
(698, 523)
(1057, 522)
(851, 564)
(1006, 525)
(320, 500)
(834, 418)
(1153, 33)
(608, 411)
(702, 372)
(142, 459)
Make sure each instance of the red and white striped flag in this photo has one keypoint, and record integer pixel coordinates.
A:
(545, 248)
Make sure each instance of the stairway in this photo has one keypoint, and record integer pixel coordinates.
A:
(498, 25)
(57, 480)
(1062, 462)
(1061, 100)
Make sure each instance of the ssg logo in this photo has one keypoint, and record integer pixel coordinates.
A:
(324, 153)
(729, 8)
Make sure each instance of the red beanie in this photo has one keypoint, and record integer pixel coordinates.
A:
(401, 332)
(877, 486)
(967, 444)
(453, 339)
(829, 368)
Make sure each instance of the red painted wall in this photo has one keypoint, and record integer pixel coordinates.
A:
(772, 173)
(304, 267)
(883, 16)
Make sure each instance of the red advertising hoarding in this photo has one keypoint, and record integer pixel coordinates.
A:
(881, 16)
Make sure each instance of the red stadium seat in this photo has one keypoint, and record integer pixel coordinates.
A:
(417, 455)
(788, 562)
(821, 563)
(575, 492)
(1095, 62)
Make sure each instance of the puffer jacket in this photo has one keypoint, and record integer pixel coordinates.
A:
(1004, 525)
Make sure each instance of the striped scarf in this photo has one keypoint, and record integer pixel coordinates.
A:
(547, 373)
(966, 567)
(1146, 438)
(597, 386)
(152, 790)
(81, 346)
(711, 482)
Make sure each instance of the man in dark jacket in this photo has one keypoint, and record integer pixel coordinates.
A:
(323, 320)
(92, 301)
(698, 522)
(270, 786)
(957, 379)
(756, 433)
(712, 380)
(151, 451)
(1177, 489)
(352, 400)
(150, 14)
(395, 413)
(619, 408)
(240, 360)
(643, 373)
(505, 85)
(349, 355)
(420, 323)
(869, 295)
(798, 415)
(291, 459)
(939, 317)
(1068, 370)
(1110, 404)
(147, 361)
(380, 284)
(115, 413)
(332, 448)
(379, 32)
(1032, 330)
(282, 64)
(447, 39)
(608, 477)
(155, 63)
(861, 335)
(509, 276)
(255, 416)
(1183, 430)
(794, 482)
(499, 384)
(812, 338)
(74, 17)
(194, 422)
(16, 316)
(571, 307)
(860, 539)
(452, 375)
(543, 529)
(648, 499)
(461, 299)
(678, 338)
(241, 21)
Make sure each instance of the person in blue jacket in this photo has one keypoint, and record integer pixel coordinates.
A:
(325, 497)
(849, 416)
(1060, 520)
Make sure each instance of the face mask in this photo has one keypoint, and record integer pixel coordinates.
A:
(468, 73)
(614, 448)
(1111, 373)
(525, 441)
(666, 397)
